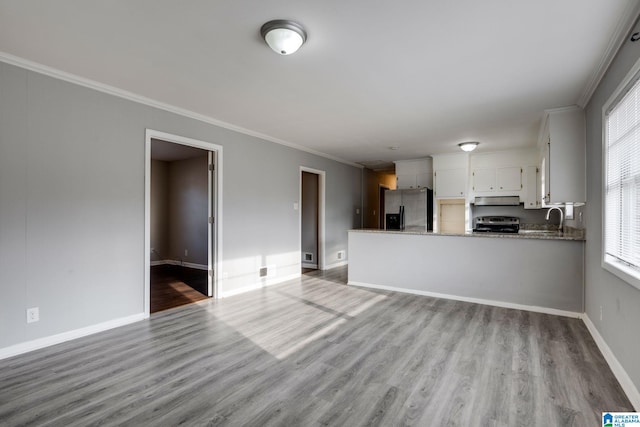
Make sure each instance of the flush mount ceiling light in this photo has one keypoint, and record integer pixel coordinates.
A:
(468, 146)
(283, 36)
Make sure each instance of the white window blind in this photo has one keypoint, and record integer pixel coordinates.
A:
(622, 186)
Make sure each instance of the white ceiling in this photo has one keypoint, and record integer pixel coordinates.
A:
(420, 75)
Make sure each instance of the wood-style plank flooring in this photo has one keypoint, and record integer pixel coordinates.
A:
(315, 352)
(172, 286)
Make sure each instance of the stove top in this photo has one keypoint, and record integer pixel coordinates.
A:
(496, 224)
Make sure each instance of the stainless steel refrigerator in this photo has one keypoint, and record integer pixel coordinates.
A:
(417, 206)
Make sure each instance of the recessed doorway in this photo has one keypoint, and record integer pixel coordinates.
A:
(311, 219)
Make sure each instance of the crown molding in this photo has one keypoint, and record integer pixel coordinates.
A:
(625, 24)
(130, 96)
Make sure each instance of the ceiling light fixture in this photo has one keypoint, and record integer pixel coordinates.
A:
(283, 36)
(468, 146)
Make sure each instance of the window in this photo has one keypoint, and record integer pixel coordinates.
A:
(622, 183)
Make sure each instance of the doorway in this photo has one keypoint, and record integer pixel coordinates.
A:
(182, 221)
(381, 201)
(312, 219)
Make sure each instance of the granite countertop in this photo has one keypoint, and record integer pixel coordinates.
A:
(533, 232)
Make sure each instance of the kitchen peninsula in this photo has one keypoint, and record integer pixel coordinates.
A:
(532, 271)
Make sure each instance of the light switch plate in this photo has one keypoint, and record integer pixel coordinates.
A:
(568, 210)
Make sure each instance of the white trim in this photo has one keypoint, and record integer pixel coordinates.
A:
(626, 21)
(533, 308)
(217, 209)
(621, 375)
(39, 343)
(625, 274)
(120, 93)
(321, 214)
(259, 285)
(336, 264)
(180, 263)
(309, 265)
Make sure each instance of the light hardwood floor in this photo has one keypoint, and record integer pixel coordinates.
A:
(316, 352)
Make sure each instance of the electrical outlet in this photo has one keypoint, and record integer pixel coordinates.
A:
(341, 254)
(186, 252)
(33, 314)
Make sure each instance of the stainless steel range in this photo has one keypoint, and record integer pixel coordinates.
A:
(496, 224)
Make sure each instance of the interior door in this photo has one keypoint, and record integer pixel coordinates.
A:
(210, 225)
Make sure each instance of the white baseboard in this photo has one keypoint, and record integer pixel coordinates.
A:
(39, 343)
(533, 308)
(309, 265)
(180, 263)
(336, 265)
(259, 285)
(623, 378)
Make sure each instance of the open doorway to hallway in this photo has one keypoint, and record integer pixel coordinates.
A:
(179, 221)
(311, 219)
(183, 220)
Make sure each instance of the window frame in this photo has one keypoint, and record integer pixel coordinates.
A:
(620, 269)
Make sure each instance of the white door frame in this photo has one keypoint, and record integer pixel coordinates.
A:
(215, 203)
(321, 226)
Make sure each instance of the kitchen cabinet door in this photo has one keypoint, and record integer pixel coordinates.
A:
(532, 198)
(509, 179)
(414, 174)
(424, 180)
(563, 153)
(405, 182)
(484, 180)
(450, 183)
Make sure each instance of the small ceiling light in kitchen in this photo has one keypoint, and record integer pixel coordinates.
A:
(283, 36)
(468, 146)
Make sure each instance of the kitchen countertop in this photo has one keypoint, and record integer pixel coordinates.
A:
(545, 234)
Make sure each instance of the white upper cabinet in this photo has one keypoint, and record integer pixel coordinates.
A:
(563, 154)
(484, 180)
(451, 175)
(532, 198)
(509, 179)
(500, 173)
(450, 183)
(416, 173)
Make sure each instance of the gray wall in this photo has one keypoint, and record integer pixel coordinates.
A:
(533, 272)
(309, 215)
(159, 215)
(72, 203)
(620, 301)
(188, 210)
(179, 210)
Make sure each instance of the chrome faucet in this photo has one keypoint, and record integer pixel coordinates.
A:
(561, 216)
